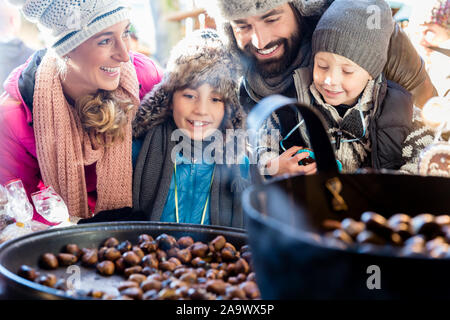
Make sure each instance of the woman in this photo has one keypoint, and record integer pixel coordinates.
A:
(65, 119)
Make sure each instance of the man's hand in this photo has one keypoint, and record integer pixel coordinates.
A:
(287, 163)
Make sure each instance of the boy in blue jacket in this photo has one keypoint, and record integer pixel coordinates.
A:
(182, 121)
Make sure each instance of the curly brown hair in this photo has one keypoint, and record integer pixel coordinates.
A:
(102, 115)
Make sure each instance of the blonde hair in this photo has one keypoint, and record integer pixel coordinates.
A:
(104, 116)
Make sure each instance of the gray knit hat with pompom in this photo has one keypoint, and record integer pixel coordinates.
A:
(359, 30)
(73, 21)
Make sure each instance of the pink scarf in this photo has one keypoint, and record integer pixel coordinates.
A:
(64, 148)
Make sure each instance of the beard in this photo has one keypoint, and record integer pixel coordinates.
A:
(274, 67)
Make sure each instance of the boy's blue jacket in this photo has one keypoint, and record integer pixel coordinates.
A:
(193, 186)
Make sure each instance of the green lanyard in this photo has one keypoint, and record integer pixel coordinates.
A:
(176, 194)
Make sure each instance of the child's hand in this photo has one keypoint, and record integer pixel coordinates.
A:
(433, 35)
(287, 163)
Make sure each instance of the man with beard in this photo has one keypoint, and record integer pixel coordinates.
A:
(273, 40)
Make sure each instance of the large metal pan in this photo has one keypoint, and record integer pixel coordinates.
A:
(27, 250)
(284, 216)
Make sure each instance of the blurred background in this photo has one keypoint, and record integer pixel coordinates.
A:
(159, 24)
(174, 18)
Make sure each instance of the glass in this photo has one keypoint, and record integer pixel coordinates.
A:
(3, 198)
(50, 206)
(19, 207)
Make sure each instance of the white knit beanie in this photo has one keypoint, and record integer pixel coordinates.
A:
(73, 21)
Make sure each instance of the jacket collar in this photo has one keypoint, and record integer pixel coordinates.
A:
(20, 83)
(27, 80)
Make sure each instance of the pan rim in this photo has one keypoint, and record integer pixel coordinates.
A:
(108, 226)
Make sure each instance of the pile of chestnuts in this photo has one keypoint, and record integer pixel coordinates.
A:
(159, 269)
(424, 235)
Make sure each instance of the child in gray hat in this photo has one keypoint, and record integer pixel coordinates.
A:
(368, 117)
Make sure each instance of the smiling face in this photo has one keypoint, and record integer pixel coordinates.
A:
(198, 111)
(271, 40)
(338, 79)
(96, 63)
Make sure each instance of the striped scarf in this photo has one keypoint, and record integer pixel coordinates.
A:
(352, 155)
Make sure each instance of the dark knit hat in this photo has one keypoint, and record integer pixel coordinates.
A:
(199, 58)
(359, 30)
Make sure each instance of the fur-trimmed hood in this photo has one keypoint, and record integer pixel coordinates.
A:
(227, 10)
(199, 58)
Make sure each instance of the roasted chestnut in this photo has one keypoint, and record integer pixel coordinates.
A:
(112, 254)
(72, 249)
(27, 273)
(90, 258)
(48, 280)
(137, 277)
(129, 271)
(352, 227)
(199, 249)
(127, 284)
(67, 259)
(106, 268)
(145, 238)
(131, 258)
(150, 261)
(49, 261)
(251, 289)
(185, 242)
(166, 242)
(184, 256)
(217, 244)
(111, 242)
(151, 284)
(120, 265)
(148, 246)
(124, 246)
(216, 286)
